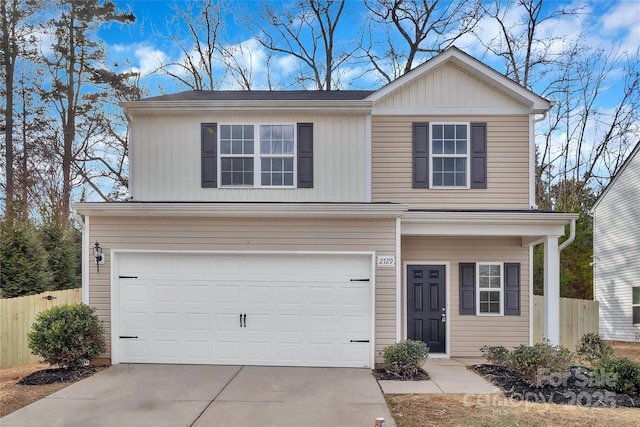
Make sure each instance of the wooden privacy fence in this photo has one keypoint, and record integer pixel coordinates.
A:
(577, 317)
(16, 317)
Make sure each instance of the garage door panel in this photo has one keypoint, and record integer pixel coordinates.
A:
(301, 310)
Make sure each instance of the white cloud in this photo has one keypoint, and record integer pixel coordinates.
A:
(147, 58)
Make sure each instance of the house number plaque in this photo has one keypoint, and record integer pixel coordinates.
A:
(386, 261)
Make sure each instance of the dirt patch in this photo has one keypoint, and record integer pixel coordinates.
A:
(446, 410)
(14, 396)
(575, 388)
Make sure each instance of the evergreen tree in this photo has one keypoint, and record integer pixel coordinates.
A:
(23, 260)
(62, 243)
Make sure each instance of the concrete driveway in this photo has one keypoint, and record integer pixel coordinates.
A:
(204, 395)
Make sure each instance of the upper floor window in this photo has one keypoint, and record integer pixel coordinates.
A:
(449, 155)
(249, 156)
(257, 155)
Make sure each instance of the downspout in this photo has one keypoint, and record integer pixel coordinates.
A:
(85, 256)
(572, 236)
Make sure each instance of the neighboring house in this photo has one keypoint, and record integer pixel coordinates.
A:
(316, 228)
(616, 253)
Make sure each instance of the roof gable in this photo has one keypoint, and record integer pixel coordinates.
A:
(630, 159)
(490, 88)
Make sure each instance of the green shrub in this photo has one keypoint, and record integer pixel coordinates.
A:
(618, 374)
(405, 357)
(527, 360)
(592, 349)
(68, 335)
(498, 355)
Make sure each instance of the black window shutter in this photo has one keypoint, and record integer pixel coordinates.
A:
(478, 155)
(209, 152)
(512, 289)
(467, 288)
(421, 155)
(305, 155)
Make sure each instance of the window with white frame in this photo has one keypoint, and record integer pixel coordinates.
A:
(636, 305)
(449, 155)
(257, 155)
(490, 288)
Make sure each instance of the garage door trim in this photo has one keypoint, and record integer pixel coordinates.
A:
(114, 276)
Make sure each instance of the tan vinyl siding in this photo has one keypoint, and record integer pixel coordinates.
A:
(447, 87)
(241, 234)
(616, 241)
(469, 333)
(165, 159)
(507, 165)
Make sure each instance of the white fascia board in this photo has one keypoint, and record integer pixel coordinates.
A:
(478, 69)
(263, 106)
(244, 210)
(521, 224)
(449, 111)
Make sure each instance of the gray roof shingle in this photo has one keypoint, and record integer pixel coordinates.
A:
(264, 95)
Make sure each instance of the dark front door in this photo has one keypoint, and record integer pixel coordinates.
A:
(426, 303)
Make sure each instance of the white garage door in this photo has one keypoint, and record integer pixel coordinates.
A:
(288, 310)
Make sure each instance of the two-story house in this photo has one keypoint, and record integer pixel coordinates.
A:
(308, 228)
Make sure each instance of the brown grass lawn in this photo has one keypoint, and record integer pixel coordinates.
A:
(489, 410)
(626, 349)
(14, 396)
(482, 410)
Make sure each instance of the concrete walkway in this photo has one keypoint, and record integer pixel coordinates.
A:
(205, 395)
(447, 376)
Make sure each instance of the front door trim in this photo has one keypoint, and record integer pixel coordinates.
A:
(447, 286)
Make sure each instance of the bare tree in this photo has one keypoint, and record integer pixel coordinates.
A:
(197, 29)
(306, 30)
(594, 139)
(523, 50)
(73, 91)
(413, 31)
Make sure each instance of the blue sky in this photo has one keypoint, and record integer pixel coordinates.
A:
(139, 46)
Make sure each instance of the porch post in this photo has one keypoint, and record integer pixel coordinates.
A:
(552, 290)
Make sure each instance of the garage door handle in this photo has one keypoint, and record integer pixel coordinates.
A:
(243, 320)
(359, 341)
(127, 337)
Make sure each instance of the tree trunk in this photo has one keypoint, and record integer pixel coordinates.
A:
(8, 47)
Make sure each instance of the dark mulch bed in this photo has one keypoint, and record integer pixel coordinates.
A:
(58, 375)
(572, 389)
(383, 374)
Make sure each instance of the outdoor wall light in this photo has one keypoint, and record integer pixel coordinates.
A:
(97, 253)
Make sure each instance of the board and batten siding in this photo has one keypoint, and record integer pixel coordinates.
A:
(507, 164)
(244, 234)
(447, 86)
(616, 243)
(468, 332)
(166, 163)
